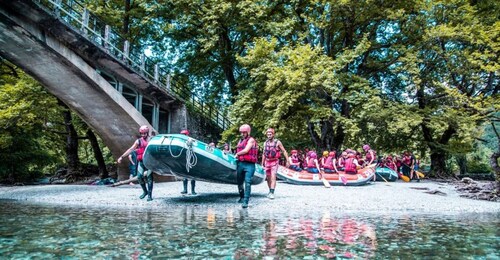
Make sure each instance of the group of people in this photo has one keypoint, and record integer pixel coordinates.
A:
(247, 155)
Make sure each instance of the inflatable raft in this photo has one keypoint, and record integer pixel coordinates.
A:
(186, 157)
(363, 176)
(382, 173)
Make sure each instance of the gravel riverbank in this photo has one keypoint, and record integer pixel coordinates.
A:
(378, 198)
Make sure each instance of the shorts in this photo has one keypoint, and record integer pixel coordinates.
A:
(271, 167)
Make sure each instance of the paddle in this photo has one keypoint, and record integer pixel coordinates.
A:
(325, 182)
(404, 177)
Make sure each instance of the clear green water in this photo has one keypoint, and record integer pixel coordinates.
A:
(46, 232)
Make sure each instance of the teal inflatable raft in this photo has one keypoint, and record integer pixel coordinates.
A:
(186, 157)
(382, 173)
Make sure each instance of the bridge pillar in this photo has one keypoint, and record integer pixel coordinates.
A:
(178, 119)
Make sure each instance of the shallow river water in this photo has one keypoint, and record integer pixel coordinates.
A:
(42, 232)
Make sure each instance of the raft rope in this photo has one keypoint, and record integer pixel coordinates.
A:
(191, 159)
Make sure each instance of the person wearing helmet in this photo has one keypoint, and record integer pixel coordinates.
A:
(330, 163)
(186, 180)
(246, 154)
(312, 163)
(370, 155)
(144, 176)
(294, 161)
(341, 161)
(323, 159)
(270, 160)
(351, 164)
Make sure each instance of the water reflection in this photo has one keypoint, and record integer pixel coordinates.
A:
(200, 233)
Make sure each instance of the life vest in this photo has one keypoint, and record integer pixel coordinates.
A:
(368, 156)
(251, 156)
(271, 152)
(141, 148)
(407, 160)
(350, 166)
(329, 163)
(310, 163)
(341, 162)
(295, 159)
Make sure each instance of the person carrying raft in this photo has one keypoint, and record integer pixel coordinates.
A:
(270, 160)
(144, 176)
(246, 154)
(186, 180)
(294, 161)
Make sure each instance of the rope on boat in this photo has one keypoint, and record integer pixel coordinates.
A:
(191, 159)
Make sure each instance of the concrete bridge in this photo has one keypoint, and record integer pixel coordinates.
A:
(112, 86)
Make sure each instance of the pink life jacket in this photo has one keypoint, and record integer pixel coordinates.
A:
(295, 159)
(143, 143)
(368, 156)
(310, 163)
(251, 156)
(329, 163)
(350, 167)
(271, 152)
(341, 162)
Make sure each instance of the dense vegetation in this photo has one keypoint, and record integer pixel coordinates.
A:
(401, 75)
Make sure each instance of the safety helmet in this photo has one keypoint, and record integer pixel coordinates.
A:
(332, 153)
(366, 147)
(245, 128)
(185, 132)
(325, 153)
(293, 151)
(351, 155)
(270, 130)
(313, 155)
(144, 129)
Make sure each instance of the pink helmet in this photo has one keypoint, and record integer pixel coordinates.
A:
(185, 132)
(144, 129)
(366, 147)
(351, 155)
(313, 155)
(293, 151)
(245, 128)
(270, 130)
(332, 153)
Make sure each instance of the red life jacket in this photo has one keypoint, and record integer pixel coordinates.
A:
(329, 163)
(368, 156)
(350, 166)
(311, 164)
(341, 162)
(271, 152)
(143, 142)
(295, 159)
(251, 156)
(407, 160)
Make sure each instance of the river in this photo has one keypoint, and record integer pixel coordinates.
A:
(36, 231)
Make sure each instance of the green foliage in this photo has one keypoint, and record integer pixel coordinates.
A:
(25, 109)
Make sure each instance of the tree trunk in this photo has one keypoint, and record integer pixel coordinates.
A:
(462, 164)
(103, 172)
(72, 158)
(126, 20)
(494, 165)
(438, 164)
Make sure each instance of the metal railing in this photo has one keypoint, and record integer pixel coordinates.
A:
(77, 16)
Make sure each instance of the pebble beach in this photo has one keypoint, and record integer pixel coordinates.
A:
(378, 198)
